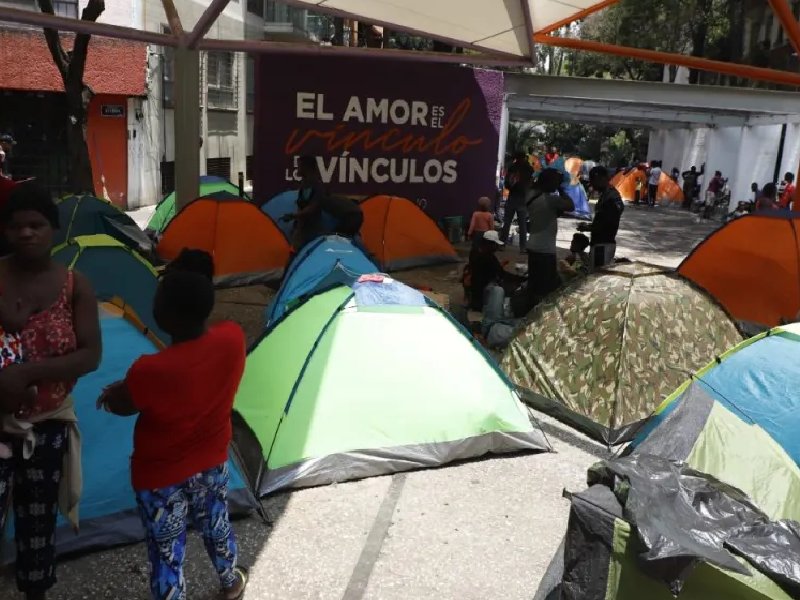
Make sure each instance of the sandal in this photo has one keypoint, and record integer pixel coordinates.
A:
(244, 576)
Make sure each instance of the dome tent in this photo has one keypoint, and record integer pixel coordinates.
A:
(758, 253)
(311, 265)
(400, 235)
(603, 352)
(167, 209)
(309, 390)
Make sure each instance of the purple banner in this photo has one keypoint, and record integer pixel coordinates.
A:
(423, 131)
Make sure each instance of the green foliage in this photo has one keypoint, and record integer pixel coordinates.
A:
(606, 144)
(521, 136)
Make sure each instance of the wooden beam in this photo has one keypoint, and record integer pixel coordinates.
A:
(266, 47)
(173, 18)
(205, 22)
(529, 31)
(39, 19)
(667, 58)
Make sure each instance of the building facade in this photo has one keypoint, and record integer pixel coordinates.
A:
(133, 126)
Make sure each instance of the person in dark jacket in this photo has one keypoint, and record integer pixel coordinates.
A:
(518, 180)
(605, 225)
(484, 270)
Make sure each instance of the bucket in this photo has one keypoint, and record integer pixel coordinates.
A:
(454, 229)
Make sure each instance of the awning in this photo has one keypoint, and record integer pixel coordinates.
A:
(498, 26)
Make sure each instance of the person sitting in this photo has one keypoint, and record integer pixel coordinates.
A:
(483, 271)
(605, 225)
(481, 222)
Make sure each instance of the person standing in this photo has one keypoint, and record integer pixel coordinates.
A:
(690, 179)
(548, 201)
(767, 200)
(518, 182)
(60, 336)
(605, 225)
(184, 397)
(551, 157)
(308, 218)
(482, 221)
(787, 198)
(653, 181)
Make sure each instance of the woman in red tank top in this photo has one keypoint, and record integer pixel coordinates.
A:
(55, 312)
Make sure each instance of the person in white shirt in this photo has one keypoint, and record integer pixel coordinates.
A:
(652, 182)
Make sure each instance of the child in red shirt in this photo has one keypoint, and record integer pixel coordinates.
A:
(184, 398)
(481, 222)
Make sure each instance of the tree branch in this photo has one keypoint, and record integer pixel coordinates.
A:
(60, 57)
(80, 49)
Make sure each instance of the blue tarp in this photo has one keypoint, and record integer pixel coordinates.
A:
(313, 263)
(108, 507)
(580, 199)
(759, 383)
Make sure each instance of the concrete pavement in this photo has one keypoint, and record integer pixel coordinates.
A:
(480, 530)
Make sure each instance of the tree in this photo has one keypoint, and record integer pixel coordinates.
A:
(71, 66)
(520, 137)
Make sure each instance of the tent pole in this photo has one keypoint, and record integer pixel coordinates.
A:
(187, 126)
(668, 58)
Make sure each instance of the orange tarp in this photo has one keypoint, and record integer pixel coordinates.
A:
(246, 244)
(752, 267)
(668, 190)
(399, 234)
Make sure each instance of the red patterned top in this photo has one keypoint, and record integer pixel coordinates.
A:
(47, 334)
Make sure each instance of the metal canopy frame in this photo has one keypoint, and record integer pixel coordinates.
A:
(187, 66)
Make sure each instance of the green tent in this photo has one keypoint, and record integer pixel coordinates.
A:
(602, 353)
(373, 380)
(209, 186)
(735, 420)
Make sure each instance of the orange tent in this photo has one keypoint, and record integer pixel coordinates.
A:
(246, 244)
(400, 235)
(668, 190)
(752, 267)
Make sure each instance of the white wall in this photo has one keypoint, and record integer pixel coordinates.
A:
(791, 150)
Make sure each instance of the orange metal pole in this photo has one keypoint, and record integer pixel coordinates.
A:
(692, 62)
(788, 20)
(792, 27)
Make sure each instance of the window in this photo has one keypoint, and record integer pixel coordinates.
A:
(167, 177)
(219, 167)
(167, 73)
(256, 7)
(768, 28)
(222, 81)
(248, 167)
(250, 100)
(66, 8)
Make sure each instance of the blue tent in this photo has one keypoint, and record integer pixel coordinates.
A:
(580, 199)
(116, 273)
(313, 264)
(279, 206)
(108, 508)
(758, 381)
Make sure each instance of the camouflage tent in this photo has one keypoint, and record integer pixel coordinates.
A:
(604, 352)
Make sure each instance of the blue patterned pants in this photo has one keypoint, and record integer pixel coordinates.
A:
(33, 487)
(202, 498)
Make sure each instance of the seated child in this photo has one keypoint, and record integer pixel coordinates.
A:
(481, 222)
